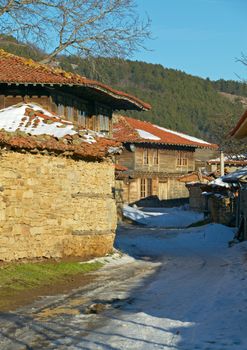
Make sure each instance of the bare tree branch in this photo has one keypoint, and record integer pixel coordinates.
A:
(87, 27)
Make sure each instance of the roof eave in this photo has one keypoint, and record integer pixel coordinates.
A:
(134, 102)
(171, 144)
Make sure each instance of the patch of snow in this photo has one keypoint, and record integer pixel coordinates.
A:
(147, 135)
(197, 299)
(231, 158)
(219, 182)
(11, 120)
(236, 175)
(188, 137)
(167, 217)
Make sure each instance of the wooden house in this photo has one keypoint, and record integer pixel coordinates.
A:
(240, 177)
(157, 160)
(231, 163)
(85, 102)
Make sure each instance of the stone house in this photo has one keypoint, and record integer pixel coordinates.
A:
(157, 159)
(85, 102)
(56, 186)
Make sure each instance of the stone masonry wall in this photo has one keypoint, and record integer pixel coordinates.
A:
(55, 207)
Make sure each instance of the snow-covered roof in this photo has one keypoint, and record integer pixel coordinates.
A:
(219, 182)
(32, 119)
(126, 129)
(238, 159)
(147, 135)
(30, 126)
(187, 137)
(236, 176)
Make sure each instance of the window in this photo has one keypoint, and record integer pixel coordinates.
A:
(82, 118)
(156, 157)
(103, 119)
(146, 188)
(145, 157)
(143, 188)
(182, 159)
(104, 123)
(60, 109)
(70, 113)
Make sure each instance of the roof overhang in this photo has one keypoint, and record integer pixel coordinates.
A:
(117, 99)
(240, 130)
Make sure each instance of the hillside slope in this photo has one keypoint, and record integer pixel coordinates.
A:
(179, 101)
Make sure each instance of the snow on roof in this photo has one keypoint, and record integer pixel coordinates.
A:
(219, 182)
(236, 176)
(147, 135)
(22, 117)
(127, 129)
(231, 159)
(188, 137)
(29, 126)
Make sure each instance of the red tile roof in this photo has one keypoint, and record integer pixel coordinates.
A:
(240, 130)
(125, 129)
(119, 167)
(15, 69)
(94, 151)
(194, 177)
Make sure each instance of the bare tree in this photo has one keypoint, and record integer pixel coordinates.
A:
(110, 28)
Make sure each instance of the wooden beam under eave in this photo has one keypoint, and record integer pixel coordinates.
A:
(241, 132)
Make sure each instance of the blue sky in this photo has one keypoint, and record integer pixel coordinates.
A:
(200, 37)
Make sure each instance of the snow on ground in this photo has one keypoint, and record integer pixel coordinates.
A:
(197, 300)
(194, 299)
(165, 217)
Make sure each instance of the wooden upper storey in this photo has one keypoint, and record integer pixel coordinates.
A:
(158, 160)
(150, 148)
(87, 102)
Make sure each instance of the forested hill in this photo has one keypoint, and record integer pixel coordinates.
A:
(179, 101)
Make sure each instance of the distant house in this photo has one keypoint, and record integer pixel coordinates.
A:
(239, 177)
(231, 163)
(85, 102)
(56, 186)
(157, 160)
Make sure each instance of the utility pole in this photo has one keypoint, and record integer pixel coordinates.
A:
(222, 163)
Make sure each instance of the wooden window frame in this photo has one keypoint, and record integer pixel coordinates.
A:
(70, 113)
(182, 159)
(146, 187)
(60, 109)
(103, 115)
(145, 156)
(143, 188)
(81, 115)
(156, 157)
